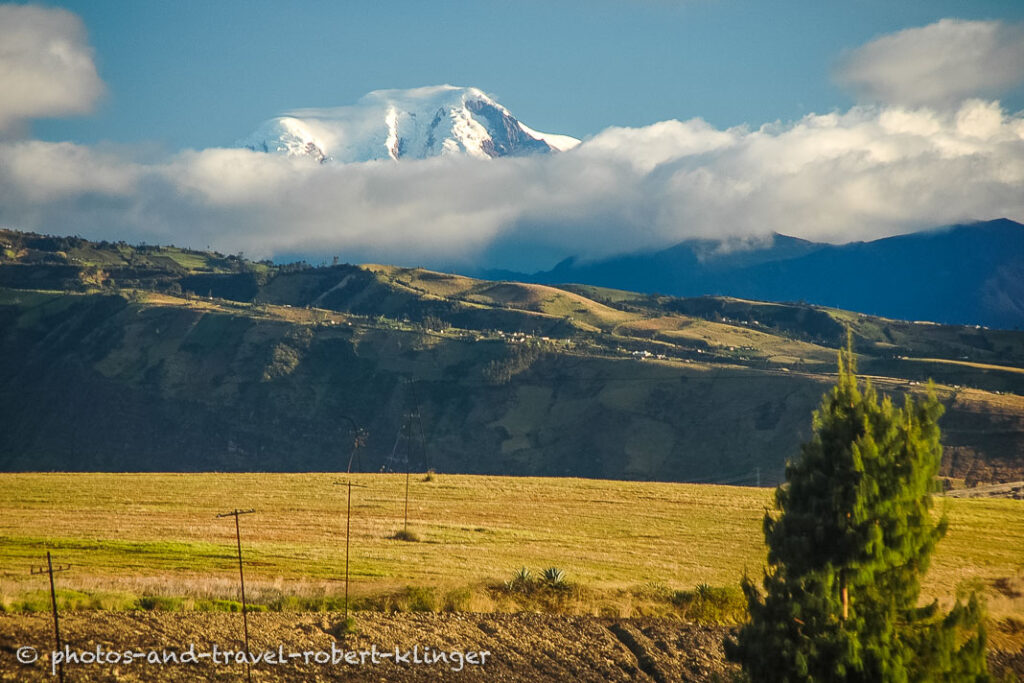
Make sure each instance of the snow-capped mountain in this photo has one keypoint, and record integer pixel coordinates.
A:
(400, 124)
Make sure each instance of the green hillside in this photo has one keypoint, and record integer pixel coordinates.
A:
(119, 357)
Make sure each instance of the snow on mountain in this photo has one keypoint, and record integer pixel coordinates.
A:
(405, 124)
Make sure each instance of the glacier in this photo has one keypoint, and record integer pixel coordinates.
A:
(417, 123)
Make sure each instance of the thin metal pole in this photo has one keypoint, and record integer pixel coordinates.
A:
(348, 534)
(424, 462)
(51, 570)
(245, 616)
(56, 622)
(241, 575)
(357, 436)
(406, 497)
(408, 467)
(357, 440)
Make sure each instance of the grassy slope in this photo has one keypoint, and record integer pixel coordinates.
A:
(583, 407)
(264, 365)
(158, 533)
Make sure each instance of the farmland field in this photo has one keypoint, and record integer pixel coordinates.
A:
(157, 534)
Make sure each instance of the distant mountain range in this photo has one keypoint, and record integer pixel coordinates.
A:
(970, 274)
(405, 124)
(116, 357)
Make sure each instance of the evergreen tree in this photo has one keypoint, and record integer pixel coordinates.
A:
(852, 536)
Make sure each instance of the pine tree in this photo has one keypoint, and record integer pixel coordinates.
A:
(849, 542)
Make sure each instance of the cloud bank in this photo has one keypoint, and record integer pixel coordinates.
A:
(46, 66)
(862, 174)
(872, 171)
(939, 64)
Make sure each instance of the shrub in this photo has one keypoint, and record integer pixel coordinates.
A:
(344, 627)
(711, 605)
(406, 535)
(160, 603)
(458, 600)
(418, 599)
(226, 606)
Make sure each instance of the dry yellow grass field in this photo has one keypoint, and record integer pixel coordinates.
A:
(157, 534)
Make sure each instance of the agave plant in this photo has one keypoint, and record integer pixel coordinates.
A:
(553, 576)
(522, 576)
(521, 581)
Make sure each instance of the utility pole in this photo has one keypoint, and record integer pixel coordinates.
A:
(404, 430)
(50, 569)
(424, 461)
(358, 438)
(241, 576)
(348, 534)
(412, 417)
(758, 471)
(408, 467)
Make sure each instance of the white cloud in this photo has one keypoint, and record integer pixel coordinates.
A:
(862, 174)
(46, 65)
(866, 173)
(939, 64)
(45, 171)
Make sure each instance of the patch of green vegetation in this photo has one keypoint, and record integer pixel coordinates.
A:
(418, 599)
(39, 601)
(518, 358)
(105, 552)
(161, 603)
(212, 332)
(712, 605)
(459, 600)
(192, 261)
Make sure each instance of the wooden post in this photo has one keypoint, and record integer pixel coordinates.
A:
(406, 527)
(50, 569)
(241, 576)
(358, 437)
(348, 535)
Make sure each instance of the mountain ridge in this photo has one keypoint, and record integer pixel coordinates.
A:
(968, 273)
(120, 357)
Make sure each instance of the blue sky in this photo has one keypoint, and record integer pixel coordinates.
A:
(195, 73)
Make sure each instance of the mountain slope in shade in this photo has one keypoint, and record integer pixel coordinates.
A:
(968, 274)
(963, 274)
(405, 124)
(109, 363)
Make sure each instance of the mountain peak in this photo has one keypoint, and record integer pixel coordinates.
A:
(417, 123)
